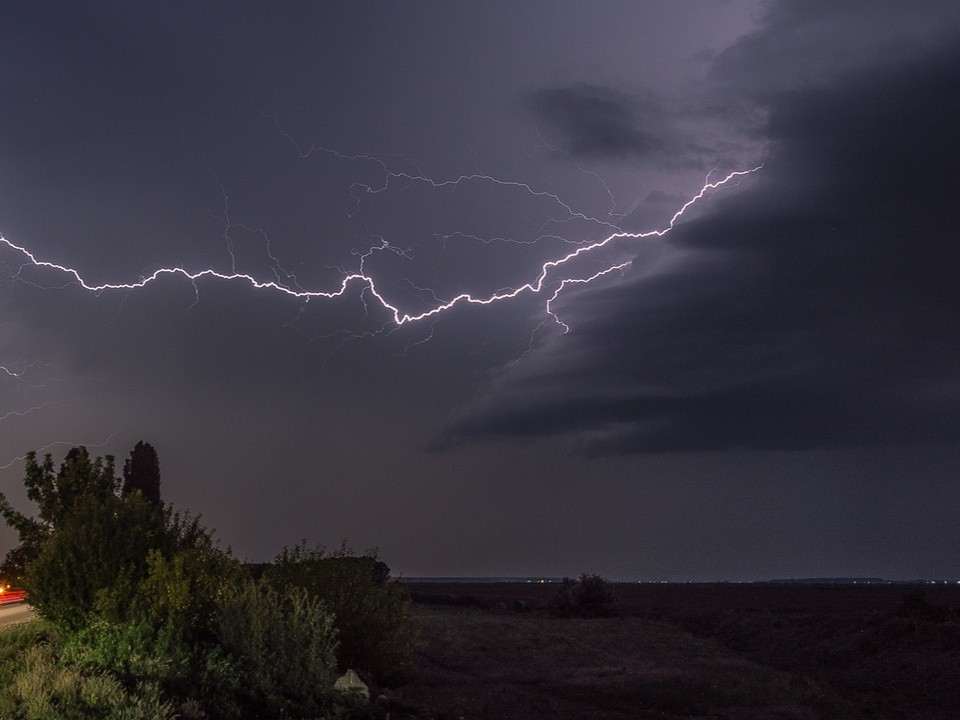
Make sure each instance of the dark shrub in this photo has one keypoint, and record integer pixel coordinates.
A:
(371, 613)
(915, 606)
(563, 603)
(590, 596)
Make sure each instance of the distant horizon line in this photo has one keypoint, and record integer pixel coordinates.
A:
(544, 579)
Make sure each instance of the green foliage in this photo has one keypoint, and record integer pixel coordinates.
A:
(594, 595)
(145, 617)
(14, 565)
(199, 678)
(141, 472)
(182, 590)
(131, 651)
(98, 550)
(55, 494)
(94, 560)
(371, 614)
(283, 643)
(590, 596)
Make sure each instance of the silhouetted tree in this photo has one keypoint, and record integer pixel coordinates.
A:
(141, 471)
(15, 563)
(55, 494)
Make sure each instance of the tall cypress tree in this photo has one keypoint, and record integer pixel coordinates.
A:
(141, 471)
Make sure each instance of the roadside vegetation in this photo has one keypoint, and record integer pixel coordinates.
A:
(144, 617)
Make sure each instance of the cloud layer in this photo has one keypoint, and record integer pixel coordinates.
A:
(597, 122)
(814, 308)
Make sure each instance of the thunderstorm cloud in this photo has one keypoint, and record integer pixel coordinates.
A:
(596, 122)
(814, 308)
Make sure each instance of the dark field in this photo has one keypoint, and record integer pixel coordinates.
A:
(687, 651)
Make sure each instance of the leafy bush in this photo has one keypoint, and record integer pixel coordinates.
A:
(590, 596)
(99, 553)
(181, 590)
(268, 654)
(94, 563)
(371, 614)
(133, 652)
(200, 680)
(55, 494)
(283, 643)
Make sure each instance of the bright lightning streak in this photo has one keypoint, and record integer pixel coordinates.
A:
(368, 283)
(579, 281)
(11, 373)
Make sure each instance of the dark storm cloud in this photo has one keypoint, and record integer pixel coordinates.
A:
(596, 122)
(815, 308)
(604, 125)
(803, 43)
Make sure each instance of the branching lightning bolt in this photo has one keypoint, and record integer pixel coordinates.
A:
(549, 276)
(18, 374)
(23, 413)
(20, 377)
(60, 443)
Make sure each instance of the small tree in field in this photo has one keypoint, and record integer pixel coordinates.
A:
(590, 596)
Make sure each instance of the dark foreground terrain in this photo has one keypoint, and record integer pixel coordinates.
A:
(757, 652)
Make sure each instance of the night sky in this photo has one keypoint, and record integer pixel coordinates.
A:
(771, 389)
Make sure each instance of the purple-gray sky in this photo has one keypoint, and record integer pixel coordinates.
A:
(772, 389)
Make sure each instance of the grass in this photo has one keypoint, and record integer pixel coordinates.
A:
(16, 640)
(34, 685)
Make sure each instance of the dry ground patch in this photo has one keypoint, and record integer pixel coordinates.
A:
(525, 666)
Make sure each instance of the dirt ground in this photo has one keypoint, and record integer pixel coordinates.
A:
(732, 652)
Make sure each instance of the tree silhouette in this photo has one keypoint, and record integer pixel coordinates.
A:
(141, 471)
(56, 494)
